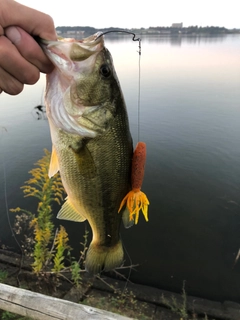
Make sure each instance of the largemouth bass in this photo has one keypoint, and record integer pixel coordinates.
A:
(92, 144)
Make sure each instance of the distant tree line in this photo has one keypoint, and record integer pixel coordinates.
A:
(87, 30)
(151, 30)
(192, 29)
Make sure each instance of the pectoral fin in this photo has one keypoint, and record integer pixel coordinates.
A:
(53, 166)
(84, 160)
(68, 212)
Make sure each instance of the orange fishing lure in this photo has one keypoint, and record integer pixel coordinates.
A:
(136, 200)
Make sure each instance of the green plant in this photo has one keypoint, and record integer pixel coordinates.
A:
(76, 273)
(3, 275)
(123, 299)
(82, 257)
(179, 308)
(48, 250)
(77, 266)
(47, 191)
(123, 302)
(6, 315)
(61, 245)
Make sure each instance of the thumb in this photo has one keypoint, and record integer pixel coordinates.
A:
(32, 21)
(28, 48)
(13, 35)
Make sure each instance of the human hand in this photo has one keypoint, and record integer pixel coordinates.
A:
(21, 58)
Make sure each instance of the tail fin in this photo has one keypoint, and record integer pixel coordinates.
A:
(102, 258)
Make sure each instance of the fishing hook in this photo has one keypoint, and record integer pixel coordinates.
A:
(124, 31)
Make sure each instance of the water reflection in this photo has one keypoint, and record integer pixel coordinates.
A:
(182, 39)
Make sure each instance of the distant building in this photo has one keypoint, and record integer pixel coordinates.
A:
(177, 25)
(75, 32)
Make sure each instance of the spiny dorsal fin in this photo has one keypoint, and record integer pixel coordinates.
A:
(53, 166)
(68, 212)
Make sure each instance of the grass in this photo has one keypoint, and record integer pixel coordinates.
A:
(6, 315)
(121, 302)
(3, 275)
(181, 308)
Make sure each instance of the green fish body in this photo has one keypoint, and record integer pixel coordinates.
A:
(92, 144)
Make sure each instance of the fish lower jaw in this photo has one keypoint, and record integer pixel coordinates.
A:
(102, 258)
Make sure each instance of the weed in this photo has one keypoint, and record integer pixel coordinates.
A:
(121, 302)
(48, 250)
(179, 308)
(61, 245)
(21, 227)
(76, 275)
(3, 275)
(6, 315)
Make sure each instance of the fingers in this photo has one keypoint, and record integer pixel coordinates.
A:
(21, 58)
(1, 31)
(9, 84)
(29, 48)
(15, 70)
(32, 21)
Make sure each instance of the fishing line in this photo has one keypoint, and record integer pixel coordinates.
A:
(7, 212)
(139, 69)
(130, 268)
(139, 85)
(6, 198)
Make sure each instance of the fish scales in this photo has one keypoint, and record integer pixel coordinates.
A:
(104, 179)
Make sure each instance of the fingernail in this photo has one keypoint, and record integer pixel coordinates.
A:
(13, 34)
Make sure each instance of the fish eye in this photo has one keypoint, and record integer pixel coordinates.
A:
(105, 70)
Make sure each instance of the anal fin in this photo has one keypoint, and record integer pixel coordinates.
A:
(68, 212)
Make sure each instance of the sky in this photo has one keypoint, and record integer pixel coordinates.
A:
(137, 14)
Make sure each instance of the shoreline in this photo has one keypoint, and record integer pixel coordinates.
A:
(149, 302)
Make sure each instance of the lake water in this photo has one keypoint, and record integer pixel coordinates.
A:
(190, 121)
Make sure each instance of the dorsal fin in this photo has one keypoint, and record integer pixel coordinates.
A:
(53, 166)
(68, 212)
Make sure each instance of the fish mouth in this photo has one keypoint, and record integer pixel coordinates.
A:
(93, 43)
(93, 39)
(71, 55)
(90, 41)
